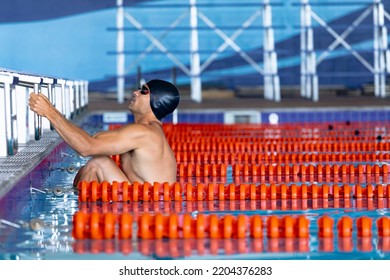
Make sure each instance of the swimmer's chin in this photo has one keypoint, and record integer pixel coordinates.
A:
(130, 100)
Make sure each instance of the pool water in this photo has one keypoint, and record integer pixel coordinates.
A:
(37, 214)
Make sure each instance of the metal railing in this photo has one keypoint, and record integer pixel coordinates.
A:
(18, 124)
(310, 56)
(196, 67)
(380, 67)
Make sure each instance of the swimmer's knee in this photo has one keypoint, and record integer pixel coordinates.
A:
(98, 162)
(100, 168)
(92, 166)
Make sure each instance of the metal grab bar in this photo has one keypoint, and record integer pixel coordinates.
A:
(84, 95)
(12, 133)
(50, 85)
(68, 96)
(10, 118)
(34, 82)
(60, 95)
(37, 119)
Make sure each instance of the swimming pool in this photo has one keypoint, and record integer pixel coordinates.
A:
(289, 180)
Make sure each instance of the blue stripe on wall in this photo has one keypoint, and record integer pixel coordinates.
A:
(33, 10)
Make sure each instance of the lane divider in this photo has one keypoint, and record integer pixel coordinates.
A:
(109, 225)
(185, 226)
(125, 191)
(167, 207)
(310, 169)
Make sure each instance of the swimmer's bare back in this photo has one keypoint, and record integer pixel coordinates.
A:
(153, 161)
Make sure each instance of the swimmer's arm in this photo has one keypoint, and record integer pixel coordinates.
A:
(111, 142)
(122, 140)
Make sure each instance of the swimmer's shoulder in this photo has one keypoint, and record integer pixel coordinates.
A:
(150, 129)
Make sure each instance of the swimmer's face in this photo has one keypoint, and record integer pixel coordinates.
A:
(140, 98)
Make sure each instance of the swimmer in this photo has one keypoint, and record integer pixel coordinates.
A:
(143, 148)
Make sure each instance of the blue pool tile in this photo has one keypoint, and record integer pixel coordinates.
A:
(337, 116)
(282, 117)
(300, 117)
(293, 117)
(184, 118)
(372, 116)
(264, 117)
(364, 116)
(314, 117)
(220, 118)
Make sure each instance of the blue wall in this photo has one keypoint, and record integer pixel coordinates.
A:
(76, 39)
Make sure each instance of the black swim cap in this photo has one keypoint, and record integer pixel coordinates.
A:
(164, 97)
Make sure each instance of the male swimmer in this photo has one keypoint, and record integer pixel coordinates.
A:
(143, 148)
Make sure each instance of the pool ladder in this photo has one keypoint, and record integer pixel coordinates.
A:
(17, 123)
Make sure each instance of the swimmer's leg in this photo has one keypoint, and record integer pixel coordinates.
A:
(100, 168)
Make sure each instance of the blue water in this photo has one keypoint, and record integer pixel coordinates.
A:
(37, 219)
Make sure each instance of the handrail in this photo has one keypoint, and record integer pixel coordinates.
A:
(9, 144)
(14, 112)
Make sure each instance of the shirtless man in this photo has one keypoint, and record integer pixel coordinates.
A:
(144, 151)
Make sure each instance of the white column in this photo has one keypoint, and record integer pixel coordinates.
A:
(196, 83)
(381, 52)
(309, 79)
(303, 48)
(120, 48)
(271, 78)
